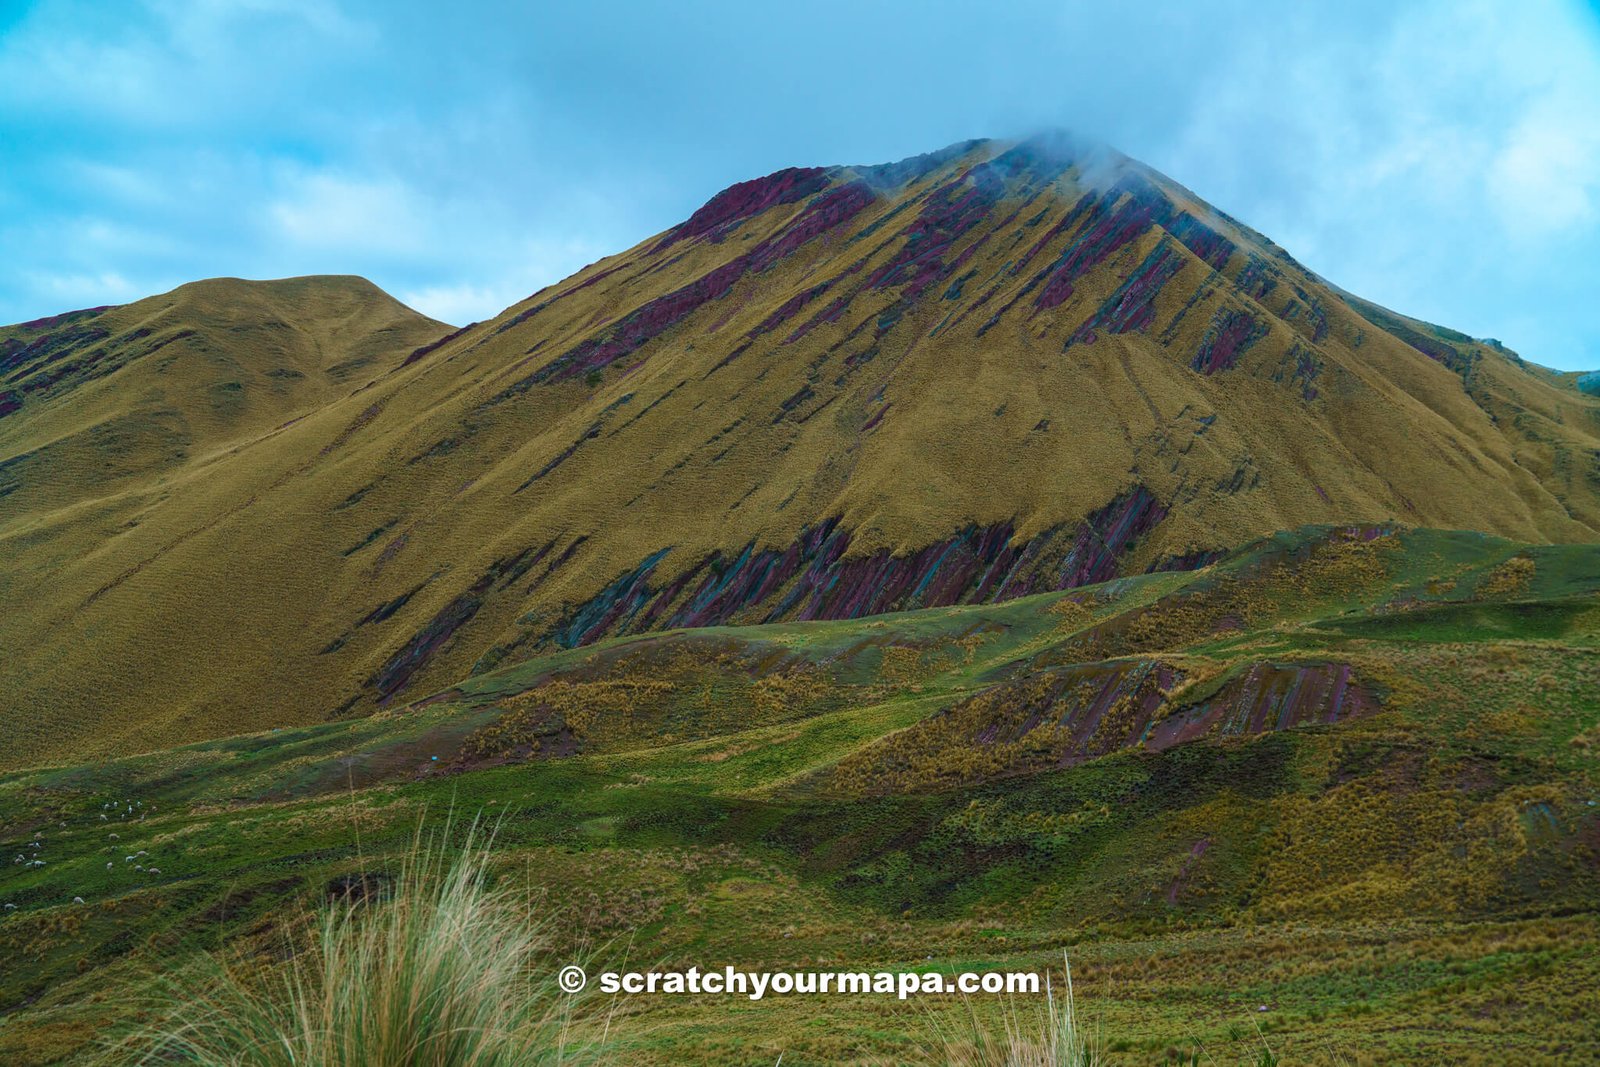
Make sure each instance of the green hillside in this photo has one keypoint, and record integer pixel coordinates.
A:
(1346, 774)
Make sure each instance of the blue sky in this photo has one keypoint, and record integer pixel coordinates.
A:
(1442, 158)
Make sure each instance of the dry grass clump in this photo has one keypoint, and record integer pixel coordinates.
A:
(1344, 565)
(657, 699)
(437, 975)
(780, 694)
(1049, 1037)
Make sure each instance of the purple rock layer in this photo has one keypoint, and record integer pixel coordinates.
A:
(649, 320)
(813, 578)
(1230, 334)
(1133, 306)
(743, 200)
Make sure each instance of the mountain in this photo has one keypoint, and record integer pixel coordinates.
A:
(994, 370)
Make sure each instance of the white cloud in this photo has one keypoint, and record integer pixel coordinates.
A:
(1546, 176)
(1439, 157)
(86, 290)
(462, 303)
(173, 64)
(356, 215)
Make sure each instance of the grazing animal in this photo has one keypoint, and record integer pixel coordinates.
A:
(77, 900)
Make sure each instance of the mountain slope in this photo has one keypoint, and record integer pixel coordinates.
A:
(103, 398)
(993, 370)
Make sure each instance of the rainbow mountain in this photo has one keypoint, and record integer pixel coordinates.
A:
(998, 369)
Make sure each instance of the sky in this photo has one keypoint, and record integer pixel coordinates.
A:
(1441, 158)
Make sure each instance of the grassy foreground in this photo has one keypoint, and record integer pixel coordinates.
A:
(1378, 823)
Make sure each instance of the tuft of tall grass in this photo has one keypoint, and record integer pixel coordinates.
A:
(1049, 1036)
(439, 974)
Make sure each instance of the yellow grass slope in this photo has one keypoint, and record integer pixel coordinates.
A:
(992, 370)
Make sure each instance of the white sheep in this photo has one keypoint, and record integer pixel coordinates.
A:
(77, 900)
(153, 870)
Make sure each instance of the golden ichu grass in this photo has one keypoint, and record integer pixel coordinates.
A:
(437, 973)
(1049, 1035)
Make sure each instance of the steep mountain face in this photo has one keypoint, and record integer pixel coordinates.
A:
(993, 370)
